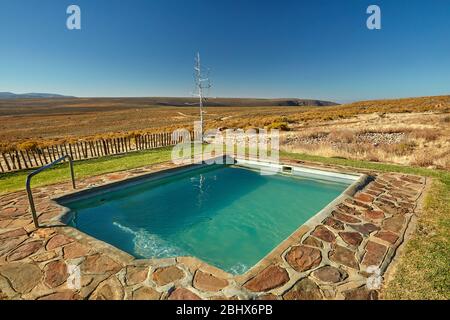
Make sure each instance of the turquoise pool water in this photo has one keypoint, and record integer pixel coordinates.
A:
(230, 217)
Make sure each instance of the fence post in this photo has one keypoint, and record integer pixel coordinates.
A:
(98, 146)
(93, 149)
(70, 150)
(51, 153)
(29, 159)
(18, 160)
(110, 148)
(24, 160)
(104, 147)
(33, 153)
(6, 162)
(38, 154)
(65, 149)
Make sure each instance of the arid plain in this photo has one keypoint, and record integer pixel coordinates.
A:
(413, 131)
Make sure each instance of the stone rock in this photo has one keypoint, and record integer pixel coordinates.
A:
(87, 280)
(365, 229)
(183, 294)
(351, 238)
(49, 215)
(324, 234)
(345, 217)
(9, 212)
(348, 210)
(361, 293)
(364, 197)
(43, 233)
(358, 203)
(166, 275)
(387, 236)
(330, 274)
(374, 215)
(3, 295)
(90, 283)
(136, 275)
(313, 242)
(413, 179)
(302, 258)
(305, 289)
(55, 273)
(394, 224)
(208, 282)
(9, 244)
(224, 298)
(146, 293)
(391, 208)
(25, 250)
(57, 241)
(44, 256)
(22, 276)
(344, 256)
(267, 297)
(116, 176)
(62, 295)
(388, 200)
(378, 185)
(13, 234)
(20, 223)
(374, 254)
(270, 278)
(75, 250)
(406, 205)
(110, 289)
(4, 223)
(333, 223)
(99, 264)
(374, 192)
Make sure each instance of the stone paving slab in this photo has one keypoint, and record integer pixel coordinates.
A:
(329, 259)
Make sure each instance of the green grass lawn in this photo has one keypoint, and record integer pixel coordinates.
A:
(424, 274)
(16, 181)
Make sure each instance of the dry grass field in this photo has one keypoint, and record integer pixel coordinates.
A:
(52, 120)
(417, 139)
(412, 131)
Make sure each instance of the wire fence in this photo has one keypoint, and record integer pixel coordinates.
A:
(15, 160)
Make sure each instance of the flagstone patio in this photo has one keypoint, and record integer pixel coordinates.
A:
(327, 260)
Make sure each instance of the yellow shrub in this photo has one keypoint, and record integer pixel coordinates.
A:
(283, 126)
(28, 145)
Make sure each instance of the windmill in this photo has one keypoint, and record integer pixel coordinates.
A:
(202, 83)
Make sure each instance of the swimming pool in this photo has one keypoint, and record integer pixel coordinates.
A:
(229, 216)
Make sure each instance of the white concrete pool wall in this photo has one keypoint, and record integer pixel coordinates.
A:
(299, 171)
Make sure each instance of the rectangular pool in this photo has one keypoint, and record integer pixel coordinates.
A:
(228, 216)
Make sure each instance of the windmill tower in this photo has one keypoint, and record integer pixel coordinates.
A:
(202, 83)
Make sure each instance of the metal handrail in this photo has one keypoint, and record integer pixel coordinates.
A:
(31, 175)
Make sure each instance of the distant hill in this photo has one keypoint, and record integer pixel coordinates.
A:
(210, 102)
(238, 102)
(10, 95)
(46, 99)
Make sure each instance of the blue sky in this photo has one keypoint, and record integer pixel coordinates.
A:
(288, 48)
